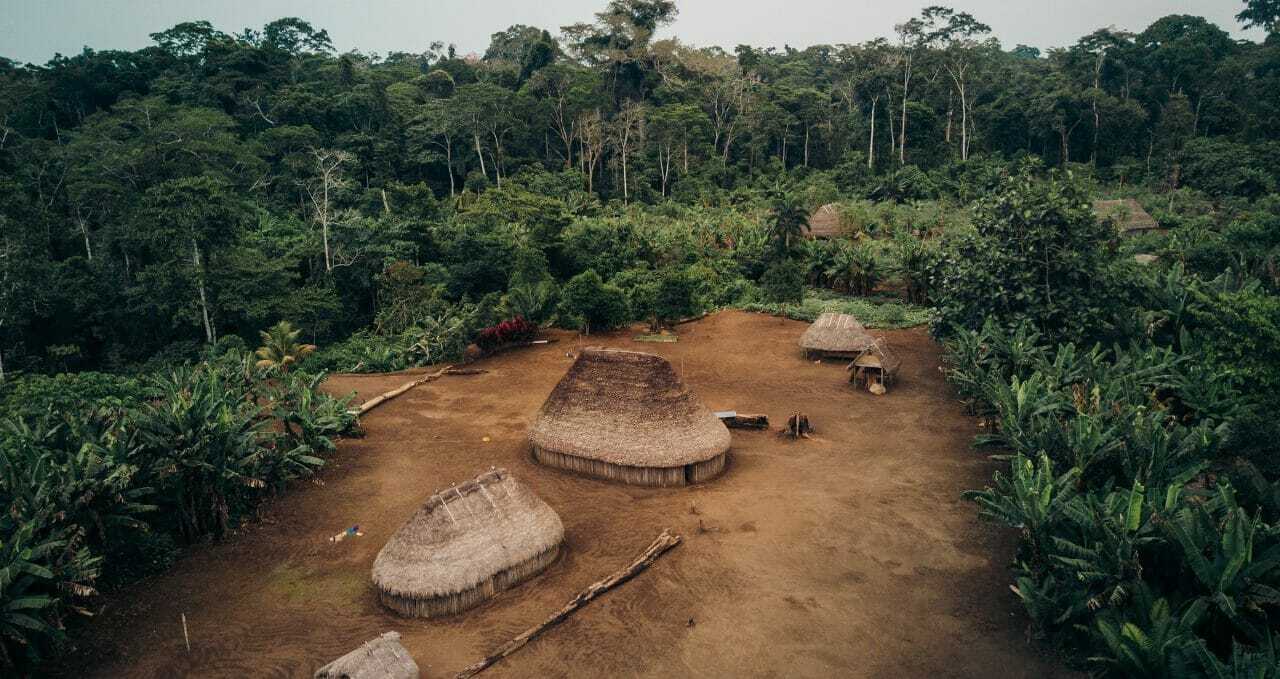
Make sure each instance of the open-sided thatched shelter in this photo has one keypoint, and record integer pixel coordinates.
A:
(626, 416)
(874, 367)
(465, 545)
(825, 222)
(835, 335)
(1127, 214)
(381, 658)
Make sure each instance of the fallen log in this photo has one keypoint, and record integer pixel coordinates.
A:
(383, 398)
(660, 545)
(466, 371)
(745, 421)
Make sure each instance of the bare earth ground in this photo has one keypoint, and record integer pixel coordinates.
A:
(847, 555)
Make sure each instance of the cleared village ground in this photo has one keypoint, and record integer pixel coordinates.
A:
(849, 554)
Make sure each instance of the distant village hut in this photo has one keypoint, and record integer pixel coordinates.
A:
(466, 544)
(1129, 217)
(380, 658)
(825, 222)
(626, 416)
(835, 335)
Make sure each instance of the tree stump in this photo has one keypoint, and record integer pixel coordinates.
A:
(798, 426)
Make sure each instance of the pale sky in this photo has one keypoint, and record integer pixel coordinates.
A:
(33, 30)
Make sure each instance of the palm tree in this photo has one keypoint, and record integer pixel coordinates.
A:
(790, 221)
(280, 348)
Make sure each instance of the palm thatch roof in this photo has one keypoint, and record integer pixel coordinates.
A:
(834, 334)
(825, 222)
(466, 544)
(1127, 214)
(627, 416)
(380, 658)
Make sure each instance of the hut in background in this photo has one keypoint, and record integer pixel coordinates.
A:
(626, 416)
(825, 222)
(381, 658)
(835, 335)
(1128, 215)
(465, 545)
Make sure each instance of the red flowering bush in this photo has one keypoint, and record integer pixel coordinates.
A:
(507, 332)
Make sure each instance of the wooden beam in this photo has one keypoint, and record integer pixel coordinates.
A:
(660, 545)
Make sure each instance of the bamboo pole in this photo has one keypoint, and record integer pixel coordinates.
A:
(383, 398)
(660, 545)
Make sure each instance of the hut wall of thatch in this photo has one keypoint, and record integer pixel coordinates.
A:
(411, 606)
(696, 472)
(465, 545)
(627, 416)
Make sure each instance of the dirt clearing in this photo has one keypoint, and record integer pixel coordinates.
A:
(849, 554)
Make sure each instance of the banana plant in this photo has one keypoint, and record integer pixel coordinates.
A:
(1157, 643)
(1245, 662)
(1233, 582)
(1028, 415)
(1030, 498)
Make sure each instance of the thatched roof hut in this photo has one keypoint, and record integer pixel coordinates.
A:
(465, 545)
(836, 335)
(381, 658)
(825, 222)
(1127, 214)
(874, 365)
(627, 416)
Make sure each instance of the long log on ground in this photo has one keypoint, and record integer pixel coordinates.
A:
(745, 421)
(660, 545)
(383, 398)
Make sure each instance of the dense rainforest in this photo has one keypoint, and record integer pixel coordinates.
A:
(167, 210)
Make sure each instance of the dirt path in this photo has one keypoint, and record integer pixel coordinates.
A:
(847, 555)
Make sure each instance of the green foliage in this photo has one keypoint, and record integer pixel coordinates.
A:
(783, 282)
(1037, 255)
(590, 303)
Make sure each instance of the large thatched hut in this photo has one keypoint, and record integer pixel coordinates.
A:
(381, 658)
(835, 335)
(1128, 215)
(626, 416)
(465, 545)
(825, 222)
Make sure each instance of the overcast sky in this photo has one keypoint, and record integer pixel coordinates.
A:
(33, 30)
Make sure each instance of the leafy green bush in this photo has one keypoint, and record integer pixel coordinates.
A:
(589, 303)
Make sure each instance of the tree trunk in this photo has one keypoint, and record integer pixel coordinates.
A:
(448, 159)
(204, 300)
(324, 228)
(806, 145)
(871, 138)
(480, 155)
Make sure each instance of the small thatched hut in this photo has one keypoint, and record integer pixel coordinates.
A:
(825, 222)
(1127, 214)
(465, 545)
(626, 416)
(874, 367)
(381, 658)
(835, 335)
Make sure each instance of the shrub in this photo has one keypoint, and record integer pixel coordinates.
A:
(507, 332)
(587, 302)
(783, 281)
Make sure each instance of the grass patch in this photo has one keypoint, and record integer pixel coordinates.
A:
(874, 312)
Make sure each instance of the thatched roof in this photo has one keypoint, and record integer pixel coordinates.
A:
(825, 222)
(836, 334)
(381, 658)
(1127, 214)
(630, 409)
(461, 539)
(877, 356)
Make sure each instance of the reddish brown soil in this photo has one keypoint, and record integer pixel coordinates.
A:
(850, 554)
